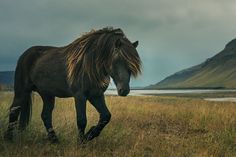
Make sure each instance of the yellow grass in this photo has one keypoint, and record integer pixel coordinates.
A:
(140, 126)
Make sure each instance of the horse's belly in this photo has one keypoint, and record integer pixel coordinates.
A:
(53, 91)
(51, 84)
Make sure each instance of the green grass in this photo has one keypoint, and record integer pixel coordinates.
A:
(141, 126)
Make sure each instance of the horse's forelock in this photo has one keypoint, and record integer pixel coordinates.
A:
(131, 58)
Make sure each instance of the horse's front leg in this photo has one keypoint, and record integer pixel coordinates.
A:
(105, 116)
(80, 105)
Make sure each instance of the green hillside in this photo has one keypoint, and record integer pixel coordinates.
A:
(216, 72)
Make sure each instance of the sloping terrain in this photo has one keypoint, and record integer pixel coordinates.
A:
(216, 72)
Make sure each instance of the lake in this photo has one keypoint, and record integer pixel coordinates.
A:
(232, 99)
(180, 91)
(184, 91)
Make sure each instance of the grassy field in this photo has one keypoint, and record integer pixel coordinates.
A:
(141, 126)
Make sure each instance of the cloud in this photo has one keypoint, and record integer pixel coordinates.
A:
(172, 34)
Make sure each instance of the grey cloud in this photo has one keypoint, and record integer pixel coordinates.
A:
(172, 34)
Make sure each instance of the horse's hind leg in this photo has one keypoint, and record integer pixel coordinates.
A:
(15, 109)
(46, 115)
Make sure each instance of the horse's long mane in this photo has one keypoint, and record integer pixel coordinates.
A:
(91, 55)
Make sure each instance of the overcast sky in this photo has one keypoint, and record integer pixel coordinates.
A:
(172, 34)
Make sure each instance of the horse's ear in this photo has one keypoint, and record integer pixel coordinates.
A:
(135, 44)
(118, 43)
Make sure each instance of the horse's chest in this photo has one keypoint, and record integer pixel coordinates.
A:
(94, 92)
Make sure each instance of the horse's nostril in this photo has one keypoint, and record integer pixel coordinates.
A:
(123, 92)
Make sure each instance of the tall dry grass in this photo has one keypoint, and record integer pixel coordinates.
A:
(140, 126)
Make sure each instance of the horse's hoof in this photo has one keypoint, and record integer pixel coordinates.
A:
(92, 133)
(53, 138)
(8, 136)
(81, 140)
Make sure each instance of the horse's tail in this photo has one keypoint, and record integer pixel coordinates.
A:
(23, 86)
(26, 110)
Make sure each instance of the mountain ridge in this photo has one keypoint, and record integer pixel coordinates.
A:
(6, 77)
(216, 72)
(6, 80)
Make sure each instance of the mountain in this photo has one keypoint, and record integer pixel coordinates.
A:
(6, 80)
(216, 72)
(6, 77)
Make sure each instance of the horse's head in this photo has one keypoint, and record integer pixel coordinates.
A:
(103, 53)
(125, 63)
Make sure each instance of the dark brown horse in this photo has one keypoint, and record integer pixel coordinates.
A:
(81, 70)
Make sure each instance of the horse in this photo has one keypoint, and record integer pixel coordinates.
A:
(81, 70)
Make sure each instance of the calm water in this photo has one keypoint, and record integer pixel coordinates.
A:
(232, 99)
(154, 92)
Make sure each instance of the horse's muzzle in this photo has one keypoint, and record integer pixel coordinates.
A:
(123, 91)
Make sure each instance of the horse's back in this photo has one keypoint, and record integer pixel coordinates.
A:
(49, 73)
(24, 66)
